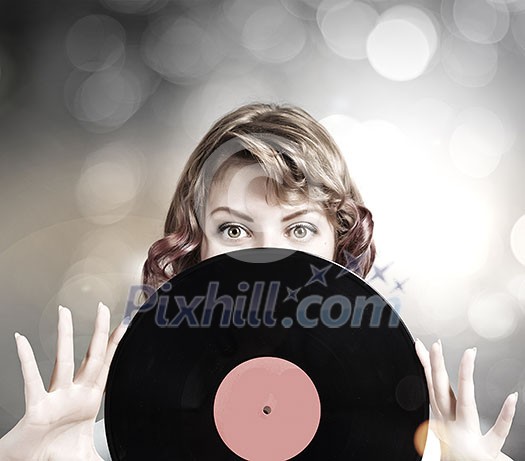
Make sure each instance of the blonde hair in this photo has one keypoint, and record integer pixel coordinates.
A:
(300, 160)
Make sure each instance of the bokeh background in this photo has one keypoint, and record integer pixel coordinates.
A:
(101, 102)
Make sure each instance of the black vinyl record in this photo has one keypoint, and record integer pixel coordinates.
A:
(265, 302)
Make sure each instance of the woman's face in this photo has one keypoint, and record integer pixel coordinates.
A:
(237, 216)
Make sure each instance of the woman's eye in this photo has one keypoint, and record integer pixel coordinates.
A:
(302, 231)
(232, 231)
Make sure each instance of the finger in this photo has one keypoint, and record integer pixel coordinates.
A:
(466, 409)
(34, 389)
(445, 399)
(96, 353)
(65, 362)
(498, 433)
(113, 342)
(424, 358)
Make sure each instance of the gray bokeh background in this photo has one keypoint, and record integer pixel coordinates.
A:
(101, 102)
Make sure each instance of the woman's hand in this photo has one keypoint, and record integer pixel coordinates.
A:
(58, 423)
(455, 420)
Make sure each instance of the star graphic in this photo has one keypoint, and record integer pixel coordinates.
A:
(317, 275)
(351, 264)
(379, 272)
(292, 294)
(399, 285)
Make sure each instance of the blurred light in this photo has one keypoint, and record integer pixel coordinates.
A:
(168, 164)
(518, 29)
(48, 251)
(402, 44)
(180, 49)
(425, 295)
(511, 5)
(346, 26)
(374, 145)
(481, 21)
(422, 19)
(111, 179)
(516, 284)
(94, 265)
(113, 249)
(236, 59)
(147, 79)
(516, 288)
(104, 101)
(237, 62)
(95, 42)
(430, 120)
(101, 252)
(447, 17)
(134, 6)
(166, 104)
(458, 230)
(88, 264)
(445, 221)
(237, 12)
(303, 9)
(478, 142)
(340, 127)
(517, 239)
(420, 437)
(469, 64)
(503, 378)
(442, 313)
(493, 315)
(273, 35)
(81, 294)
(206, 103)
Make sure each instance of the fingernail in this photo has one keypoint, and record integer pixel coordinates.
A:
(516, 395)
(440, 345)
(475, 350)
(17, 335)
(60, 307)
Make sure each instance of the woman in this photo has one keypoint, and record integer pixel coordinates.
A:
(264, 175)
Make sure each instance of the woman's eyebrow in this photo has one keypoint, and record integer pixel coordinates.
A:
(233, 212)
(299, 213)
(249, 219)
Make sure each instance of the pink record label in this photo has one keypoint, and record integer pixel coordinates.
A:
(267, 409)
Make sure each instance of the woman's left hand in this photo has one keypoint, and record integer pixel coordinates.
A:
(455, 419)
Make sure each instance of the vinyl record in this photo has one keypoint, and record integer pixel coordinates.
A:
(265, 354)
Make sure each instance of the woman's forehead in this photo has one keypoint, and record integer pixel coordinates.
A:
(249, 184)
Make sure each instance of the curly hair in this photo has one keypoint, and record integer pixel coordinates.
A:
(301, 161)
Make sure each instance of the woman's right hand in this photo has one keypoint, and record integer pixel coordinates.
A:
(58, 423)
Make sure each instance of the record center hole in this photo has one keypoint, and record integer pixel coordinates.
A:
(267, 410)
